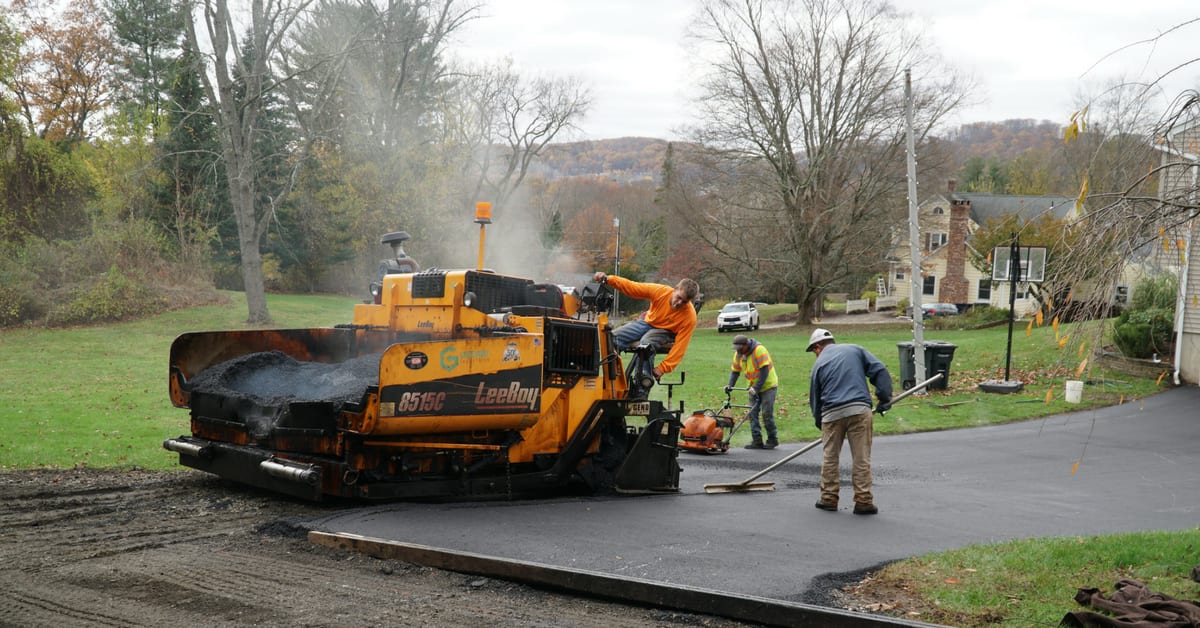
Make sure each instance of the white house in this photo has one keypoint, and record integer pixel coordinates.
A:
(1180, 149)
(946, 224)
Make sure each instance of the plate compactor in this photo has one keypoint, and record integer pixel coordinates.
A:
(710, 431)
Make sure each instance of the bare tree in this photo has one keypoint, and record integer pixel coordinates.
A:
(239, 83)
(505, 122)
(802, 158)
(1139, 190)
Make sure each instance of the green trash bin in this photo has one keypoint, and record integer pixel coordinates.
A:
(938, 357)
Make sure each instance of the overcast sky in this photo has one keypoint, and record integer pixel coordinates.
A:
(1030, 58)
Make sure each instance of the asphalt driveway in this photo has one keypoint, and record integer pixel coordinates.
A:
(1138, 468)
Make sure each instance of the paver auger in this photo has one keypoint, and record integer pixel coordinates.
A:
(453, 384)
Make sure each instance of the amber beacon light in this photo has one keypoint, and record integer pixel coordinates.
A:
(483, 216)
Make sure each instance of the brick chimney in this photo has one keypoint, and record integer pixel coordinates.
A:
(954, 285)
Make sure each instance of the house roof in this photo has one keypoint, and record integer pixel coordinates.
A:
(985, 207)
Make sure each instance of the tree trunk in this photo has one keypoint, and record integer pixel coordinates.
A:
(248, 245)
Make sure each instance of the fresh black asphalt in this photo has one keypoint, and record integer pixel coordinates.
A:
(1130, 467)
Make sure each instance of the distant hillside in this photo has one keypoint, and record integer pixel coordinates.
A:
(629, 159)
(1003, 141)
(622, 159)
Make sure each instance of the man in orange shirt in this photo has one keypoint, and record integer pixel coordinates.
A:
(671, 316)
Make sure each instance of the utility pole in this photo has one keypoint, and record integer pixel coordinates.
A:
(617, 268)
(914, 236)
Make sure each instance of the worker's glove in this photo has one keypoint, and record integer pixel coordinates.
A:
(753, 394)
(885, 404)
(817, 422)
(728, 389)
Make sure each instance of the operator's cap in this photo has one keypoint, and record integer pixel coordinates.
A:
(740, 340)
(818, 336)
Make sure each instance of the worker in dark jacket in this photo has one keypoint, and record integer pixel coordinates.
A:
(841, 408)
(750, 357)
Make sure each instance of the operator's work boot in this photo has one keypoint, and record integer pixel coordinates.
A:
(771, 443)
(756, 444)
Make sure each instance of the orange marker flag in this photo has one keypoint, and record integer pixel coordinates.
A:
(1038, 317)
(1062, 342)
(1074, 467)
(1082, 365)
(1049, 395)
(1081, 347)
(1029, 329)
(1160, 378)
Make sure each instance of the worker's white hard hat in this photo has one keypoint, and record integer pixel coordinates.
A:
(818, 336)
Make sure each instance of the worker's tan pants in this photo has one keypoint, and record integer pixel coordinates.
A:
(858, 430)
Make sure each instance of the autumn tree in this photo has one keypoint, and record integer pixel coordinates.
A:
(591, 237)
(61, 82)
(1056, 235)
(803, 134)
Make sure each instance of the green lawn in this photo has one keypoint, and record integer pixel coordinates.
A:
(979, 354)
(97, 396)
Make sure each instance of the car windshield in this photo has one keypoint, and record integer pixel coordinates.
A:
(736, 307)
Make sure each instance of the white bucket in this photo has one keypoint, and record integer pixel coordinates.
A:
(1074, 390)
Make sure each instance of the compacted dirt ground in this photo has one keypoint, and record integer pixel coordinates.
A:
(136, 548)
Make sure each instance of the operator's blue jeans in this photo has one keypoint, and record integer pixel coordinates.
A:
(637, 332)
(764, 403)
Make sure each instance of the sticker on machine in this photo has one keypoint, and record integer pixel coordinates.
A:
(416, 360)
(637, 408)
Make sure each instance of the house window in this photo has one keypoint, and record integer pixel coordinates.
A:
(899, 276)
(927, 289)
(935, 240)
(985, 290)
(938, 211)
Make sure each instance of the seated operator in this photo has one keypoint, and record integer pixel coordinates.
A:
(671, 317)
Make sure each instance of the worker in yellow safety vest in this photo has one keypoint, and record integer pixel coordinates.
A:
(750, 357)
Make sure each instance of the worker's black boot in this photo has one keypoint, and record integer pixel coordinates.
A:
(756, 444)
(771, 443)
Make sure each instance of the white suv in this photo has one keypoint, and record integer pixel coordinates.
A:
(739, 314)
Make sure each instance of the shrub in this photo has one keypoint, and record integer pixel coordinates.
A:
(112, 297)
(19, 302)
(1148, 326)
(1142, 333)
(1155, 292)
(984, 315)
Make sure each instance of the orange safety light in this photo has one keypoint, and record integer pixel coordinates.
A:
(483, 213)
